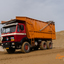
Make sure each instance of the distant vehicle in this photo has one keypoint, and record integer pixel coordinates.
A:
(26, 33)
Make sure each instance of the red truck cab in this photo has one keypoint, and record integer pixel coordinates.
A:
(12, 35)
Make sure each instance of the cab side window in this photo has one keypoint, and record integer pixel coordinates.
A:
(21, 27)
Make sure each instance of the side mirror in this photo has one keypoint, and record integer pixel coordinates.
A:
(21, 27)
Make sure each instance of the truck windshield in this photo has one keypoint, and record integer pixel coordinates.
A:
(8, 29)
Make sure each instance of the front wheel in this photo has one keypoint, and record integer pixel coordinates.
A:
(25, 47)
(10, 50)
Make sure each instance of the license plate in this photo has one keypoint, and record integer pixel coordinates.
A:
(7, 48)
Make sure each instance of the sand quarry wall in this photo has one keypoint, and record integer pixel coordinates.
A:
(59, 42)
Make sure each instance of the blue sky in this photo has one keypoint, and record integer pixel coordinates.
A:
(44, 10)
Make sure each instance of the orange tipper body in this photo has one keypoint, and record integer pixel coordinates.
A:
(39, 29)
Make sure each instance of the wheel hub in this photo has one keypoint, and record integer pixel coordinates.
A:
(26, 47)
(44, 45)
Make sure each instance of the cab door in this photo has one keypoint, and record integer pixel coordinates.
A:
(21, 31)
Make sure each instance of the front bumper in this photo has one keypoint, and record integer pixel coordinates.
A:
(7, 45)
(16, 45)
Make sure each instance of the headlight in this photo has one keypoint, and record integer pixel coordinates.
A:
(13, 43)
(1, 38)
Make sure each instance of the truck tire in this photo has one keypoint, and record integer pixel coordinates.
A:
(10, 50)
(49, 44)
(25, 47)
(43, 45)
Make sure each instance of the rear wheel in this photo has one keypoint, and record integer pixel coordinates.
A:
(49, 44)
(25, 47)
(43, 45)
(10, 50)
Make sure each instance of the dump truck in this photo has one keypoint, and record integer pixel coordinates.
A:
(26, 34)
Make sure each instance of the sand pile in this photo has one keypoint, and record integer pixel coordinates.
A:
(59, 42)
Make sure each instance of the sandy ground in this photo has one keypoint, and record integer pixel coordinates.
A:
(37, 57)
(34, 57)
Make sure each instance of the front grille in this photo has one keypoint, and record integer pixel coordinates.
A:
(7, 38)
(6, 45)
